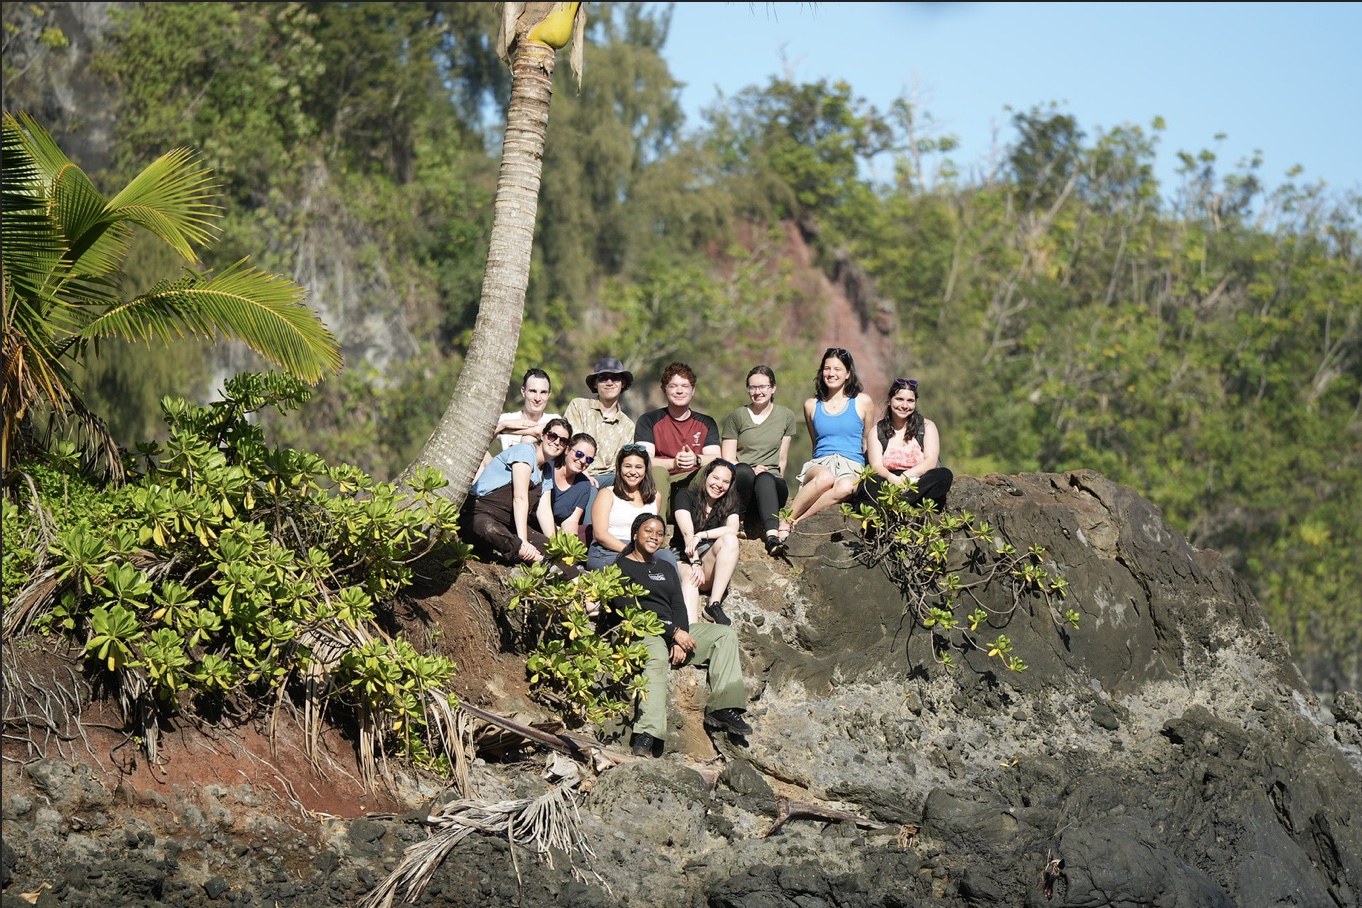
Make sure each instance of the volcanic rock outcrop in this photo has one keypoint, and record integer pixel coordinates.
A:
(1165, 753)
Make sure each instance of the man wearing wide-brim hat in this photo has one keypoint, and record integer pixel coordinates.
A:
(602, 418)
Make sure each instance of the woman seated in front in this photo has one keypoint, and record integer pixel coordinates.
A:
(502, 498)
(906, 446)
(707, 519)
(617, 506)
(569, 489)
(681, 643)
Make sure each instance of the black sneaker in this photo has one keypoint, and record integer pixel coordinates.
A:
(775, 546)
(729, 720)
(643, 745)
(716, 613)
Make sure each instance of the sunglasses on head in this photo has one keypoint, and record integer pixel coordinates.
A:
(720, 462)
(582, 455)
(835, 351)
(560, 440)
(909, 383)
(634, 449)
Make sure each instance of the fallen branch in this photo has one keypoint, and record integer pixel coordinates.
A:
(579, 747)
(787, 810)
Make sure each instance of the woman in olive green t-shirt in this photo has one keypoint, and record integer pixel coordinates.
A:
(757, 438)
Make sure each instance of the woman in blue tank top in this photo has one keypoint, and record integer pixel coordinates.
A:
(839, 421)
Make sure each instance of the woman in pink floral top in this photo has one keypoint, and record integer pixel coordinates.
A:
(905, 447)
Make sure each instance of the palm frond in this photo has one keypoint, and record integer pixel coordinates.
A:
(172, 198)
(541, 825)
(42, 148)
(264, 311)
(31, 240)
(97, 244)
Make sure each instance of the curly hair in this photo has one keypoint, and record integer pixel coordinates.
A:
(681, 369)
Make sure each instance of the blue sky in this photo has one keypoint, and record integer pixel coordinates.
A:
(1281, 78)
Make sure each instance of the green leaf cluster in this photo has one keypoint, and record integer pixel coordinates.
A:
(946, 562)
(227, 569)
(583, 659)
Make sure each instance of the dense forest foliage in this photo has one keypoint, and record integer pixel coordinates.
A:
(1201, 342)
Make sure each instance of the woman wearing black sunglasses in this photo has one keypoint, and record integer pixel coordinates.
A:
(502, 498)
(569, 489)
(905, 449)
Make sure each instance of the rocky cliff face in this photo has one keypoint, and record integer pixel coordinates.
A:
(1167, 752)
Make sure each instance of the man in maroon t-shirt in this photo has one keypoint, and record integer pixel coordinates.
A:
(679, 439)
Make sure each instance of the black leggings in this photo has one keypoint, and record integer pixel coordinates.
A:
(931, 486)
(767, 491)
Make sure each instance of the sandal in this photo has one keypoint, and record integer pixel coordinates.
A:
(775, 546)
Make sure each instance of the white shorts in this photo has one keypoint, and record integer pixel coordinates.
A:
(841, 466)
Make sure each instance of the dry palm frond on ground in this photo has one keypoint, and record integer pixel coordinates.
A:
(540, 824)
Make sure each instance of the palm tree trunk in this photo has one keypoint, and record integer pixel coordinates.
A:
(465, 430)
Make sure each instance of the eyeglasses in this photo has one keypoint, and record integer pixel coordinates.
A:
(582, 455)
(756, 389)
(634, 449)
(560, 440)
(611, 377)
(909, 383)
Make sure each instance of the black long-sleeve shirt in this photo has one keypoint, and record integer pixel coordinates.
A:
(663, 593)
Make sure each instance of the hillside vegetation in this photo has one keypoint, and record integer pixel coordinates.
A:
(1201, 342)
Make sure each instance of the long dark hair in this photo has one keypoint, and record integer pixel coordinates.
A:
(647, 488)
(637, 525)
(574, 440)
(706, 515)
(851, 388)
(885, 427)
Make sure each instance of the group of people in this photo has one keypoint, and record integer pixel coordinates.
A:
(616, 482)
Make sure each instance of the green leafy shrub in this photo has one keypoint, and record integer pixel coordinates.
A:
(226, 568)
(584, 659)
(920, 549)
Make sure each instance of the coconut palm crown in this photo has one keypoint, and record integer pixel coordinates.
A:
(64, 247)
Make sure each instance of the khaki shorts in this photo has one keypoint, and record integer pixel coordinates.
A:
(841, 466)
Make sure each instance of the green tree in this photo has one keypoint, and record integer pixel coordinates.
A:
(65, 244)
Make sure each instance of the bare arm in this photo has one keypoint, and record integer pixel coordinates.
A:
(865, 407)
(685, 522)
(785, 453)
(520, 508)
(544, 513)
(728, 450)
(600, 521)
(520, 498)
(931, 450)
